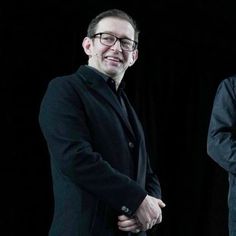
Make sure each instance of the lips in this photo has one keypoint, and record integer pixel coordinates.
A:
(116, 59)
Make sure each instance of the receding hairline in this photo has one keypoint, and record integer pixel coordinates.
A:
(115, 17)
(113, 14)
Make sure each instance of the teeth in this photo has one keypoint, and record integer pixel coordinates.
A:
(113, 58)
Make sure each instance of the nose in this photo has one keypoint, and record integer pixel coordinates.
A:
(117, 46)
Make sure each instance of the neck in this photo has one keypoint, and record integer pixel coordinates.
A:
(117, 79)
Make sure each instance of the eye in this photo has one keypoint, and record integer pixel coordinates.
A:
(108, 38)
(126, 42)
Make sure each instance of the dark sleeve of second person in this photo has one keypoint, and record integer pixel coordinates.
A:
(221, 140)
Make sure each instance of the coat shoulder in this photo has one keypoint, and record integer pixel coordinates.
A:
(230, 81)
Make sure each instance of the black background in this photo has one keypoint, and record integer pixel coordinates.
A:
(185, 50)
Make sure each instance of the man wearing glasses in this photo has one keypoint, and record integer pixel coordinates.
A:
(102, 180)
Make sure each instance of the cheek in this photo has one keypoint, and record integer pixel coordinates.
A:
(129, 60)
(101, 49)
(99, 54)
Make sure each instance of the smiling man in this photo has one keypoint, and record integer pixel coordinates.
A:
(102, 180)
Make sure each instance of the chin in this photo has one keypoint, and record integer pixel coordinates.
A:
(111, 72)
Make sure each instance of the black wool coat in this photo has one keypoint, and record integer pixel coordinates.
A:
(100, 167)
(221, 140)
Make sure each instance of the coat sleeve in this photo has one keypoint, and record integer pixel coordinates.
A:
(221, 139)
(152, 182)
(63, 123)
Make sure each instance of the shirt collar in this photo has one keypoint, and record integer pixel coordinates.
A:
(109, 80)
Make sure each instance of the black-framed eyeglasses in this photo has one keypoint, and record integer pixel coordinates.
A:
(108, 39)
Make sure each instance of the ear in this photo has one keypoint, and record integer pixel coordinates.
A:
(87, 44)
(134, 57)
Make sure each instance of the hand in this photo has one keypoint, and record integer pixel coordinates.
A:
(149, 212)
(126, 223)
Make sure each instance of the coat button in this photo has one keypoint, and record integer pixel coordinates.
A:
(127, 210)
(131, 145)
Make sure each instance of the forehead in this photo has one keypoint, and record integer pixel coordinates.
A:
(117, 26)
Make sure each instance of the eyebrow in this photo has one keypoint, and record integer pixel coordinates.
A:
(123, 37)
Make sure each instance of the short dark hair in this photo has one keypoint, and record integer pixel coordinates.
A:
(112, 13)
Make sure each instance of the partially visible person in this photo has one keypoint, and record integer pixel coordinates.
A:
(221, 142)
(102, 180)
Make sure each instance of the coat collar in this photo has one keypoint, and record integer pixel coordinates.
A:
(97, 83)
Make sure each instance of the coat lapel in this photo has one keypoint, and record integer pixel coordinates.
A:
(98, 85)
(133, 118)
(138, 130)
